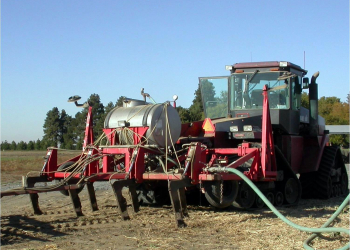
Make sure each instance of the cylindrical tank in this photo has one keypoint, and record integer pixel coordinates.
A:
(128, 102)
(152, 116)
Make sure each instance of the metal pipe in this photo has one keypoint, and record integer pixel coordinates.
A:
(313, 105)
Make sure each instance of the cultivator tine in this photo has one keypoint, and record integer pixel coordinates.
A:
(183, 202)
(133, 196)
(178, 201)
(34, 198)
(76, 202)
(121, 201)
(92, 196)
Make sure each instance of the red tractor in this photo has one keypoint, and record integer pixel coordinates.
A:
(254, 123)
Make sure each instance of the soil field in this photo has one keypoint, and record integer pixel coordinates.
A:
(152, 227)
(14, 164)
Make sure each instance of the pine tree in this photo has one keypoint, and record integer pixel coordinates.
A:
(109, 107)
(13, 145)
(37, 145)
(97, 114)
(79, 124)
(66, 133)
(98, 120)
(185, 114)
(120, 101)
(5, 145)
(52, 128)
(30, 145)
(196, 109)
(21, 145)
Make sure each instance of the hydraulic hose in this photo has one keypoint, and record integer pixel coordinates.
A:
(315, 231)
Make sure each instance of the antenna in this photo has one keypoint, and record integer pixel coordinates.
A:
(304, 59)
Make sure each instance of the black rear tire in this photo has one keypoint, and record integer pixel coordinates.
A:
(344, 183)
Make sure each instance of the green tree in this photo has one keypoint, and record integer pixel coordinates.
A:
(67, 131)
(305, 100)
(52, 128)
(120, 101)
(5, 145)
(79, 124)
(208, 91)
(109, 107)
(37, 145)
(97, 116)
(335, 112)
(13, 145)
(21, 145)
(30, 145)
(196, 109)
(185, 114)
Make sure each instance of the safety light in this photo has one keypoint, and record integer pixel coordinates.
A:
(283, 64)
(247, 128)
(234, 129)
(228, 67)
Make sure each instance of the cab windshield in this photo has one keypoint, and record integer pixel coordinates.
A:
(243, 91)
(246, 90)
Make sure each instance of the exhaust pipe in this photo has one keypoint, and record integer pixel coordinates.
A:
(313, 105)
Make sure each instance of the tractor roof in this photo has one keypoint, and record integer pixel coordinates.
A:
(282, 65)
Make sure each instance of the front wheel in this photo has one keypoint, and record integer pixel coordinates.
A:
(246, 196)
(292, 191)
(221, 194)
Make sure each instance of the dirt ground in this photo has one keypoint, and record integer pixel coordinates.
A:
(154, 227)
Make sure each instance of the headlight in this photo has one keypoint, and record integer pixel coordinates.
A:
(283, 64)
(234, 129)
(247, 128)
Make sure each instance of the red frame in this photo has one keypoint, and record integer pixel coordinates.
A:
(263, 167)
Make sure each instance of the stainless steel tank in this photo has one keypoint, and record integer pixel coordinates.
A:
(152, 116)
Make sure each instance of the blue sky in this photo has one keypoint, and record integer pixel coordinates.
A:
(51, 50)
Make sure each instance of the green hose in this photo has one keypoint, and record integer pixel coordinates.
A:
(315, 231)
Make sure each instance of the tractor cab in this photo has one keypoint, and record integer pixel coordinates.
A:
(240, 94)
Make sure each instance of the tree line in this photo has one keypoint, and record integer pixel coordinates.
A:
(67, 132)
(64, 131)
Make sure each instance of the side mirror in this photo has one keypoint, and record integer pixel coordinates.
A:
(305, 83)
